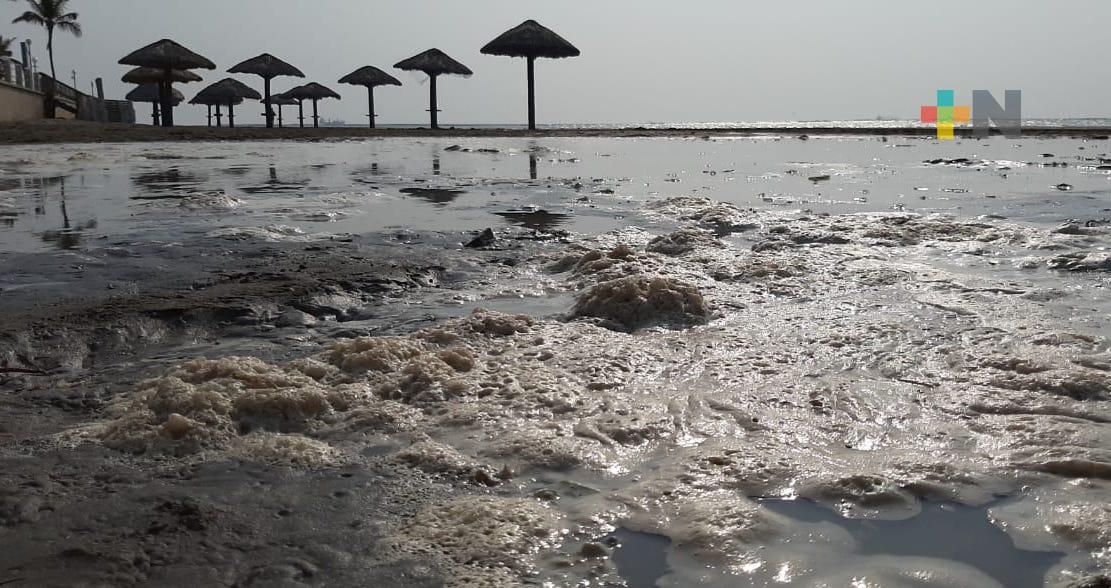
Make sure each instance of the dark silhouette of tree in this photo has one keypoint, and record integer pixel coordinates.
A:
(6, 46)
(51, 14)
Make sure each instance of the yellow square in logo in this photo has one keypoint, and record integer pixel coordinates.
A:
(945, 131)
(962, 114)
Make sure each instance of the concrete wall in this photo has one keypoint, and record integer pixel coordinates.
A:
(17, 104)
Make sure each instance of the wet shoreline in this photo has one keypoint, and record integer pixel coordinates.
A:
(209, 394)
(81, 132)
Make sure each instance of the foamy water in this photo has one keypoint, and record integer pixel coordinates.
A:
(873, 328)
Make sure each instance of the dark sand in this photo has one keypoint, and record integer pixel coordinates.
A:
(56, 131)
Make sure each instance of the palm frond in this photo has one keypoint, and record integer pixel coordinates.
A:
(70, 27)
(37, 7)
(30, 18)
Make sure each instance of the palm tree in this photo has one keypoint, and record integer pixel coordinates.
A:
(6, 46)
(51, 14)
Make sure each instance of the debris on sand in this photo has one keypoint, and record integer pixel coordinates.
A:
(639, 301)
(487, 534)
(684, 241)
(484, 239)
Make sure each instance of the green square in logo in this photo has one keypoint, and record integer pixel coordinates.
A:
(945, 114)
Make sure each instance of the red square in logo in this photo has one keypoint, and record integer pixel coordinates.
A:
(929, 114)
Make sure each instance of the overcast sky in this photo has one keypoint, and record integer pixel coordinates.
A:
(642, 60)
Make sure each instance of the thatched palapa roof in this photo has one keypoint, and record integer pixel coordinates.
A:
(281, 100)
(149, 93)
(267, 66)
(310, 91)
(167, 53)
(150, 75)
(211, 101)
(530, 39)
(226, 91)
(433, 62)
(369, 76)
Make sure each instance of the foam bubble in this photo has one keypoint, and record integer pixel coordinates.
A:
(638, 301)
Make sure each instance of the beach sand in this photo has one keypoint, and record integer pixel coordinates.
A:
(85, 132)
(749, 360)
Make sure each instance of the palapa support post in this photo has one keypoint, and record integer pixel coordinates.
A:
(269, 107)
(167, 98)
(219, 117)
(370, 104)
(531, 94)
(301, 112)
(280, 124)
(231, 115)
(315, 115)
(210, 115)
(155, 115)
(432, 102)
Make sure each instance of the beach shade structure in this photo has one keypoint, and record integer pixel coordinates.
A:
(280, 100)
(149, 93)
(300, 102)
(433, 63)
(268, 67)
(227, 92)
(211, 103)
(369, 77)
(167, 56)
(530, 40)
(149, 75)
(311, 91)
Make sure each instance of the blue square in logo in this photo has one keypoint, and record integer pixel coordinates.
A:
(945, 98)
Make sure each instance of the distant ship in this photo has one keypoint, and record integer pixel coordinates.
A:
(332, 122)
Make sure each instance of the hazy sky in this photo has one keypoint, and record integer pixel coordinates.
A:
(642, 60)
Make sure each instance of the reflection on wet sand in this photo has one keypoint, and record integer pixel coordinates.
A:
(438, 196)
(70, 235)
(167, 183)
(276, 184)
(538, 219)
(238, 170)
(368, 176)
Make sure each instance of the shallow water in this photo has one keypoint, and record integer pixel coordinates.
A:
(950, 532)
(86, 194)
(701, 326)
(640, 558)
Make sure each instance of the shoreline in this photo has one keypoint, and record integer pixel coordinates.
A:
(55, 132)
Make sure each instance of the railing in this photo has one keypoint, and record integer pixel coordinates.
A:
(13, 73)
(66, 97)
(59, 90)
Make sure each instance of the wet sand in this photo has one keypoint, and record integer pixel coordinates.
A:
(84, 132)
(263, 364)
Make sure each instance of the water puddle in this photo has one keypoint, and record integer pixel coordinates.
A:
(640, 558)
(944, 531)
